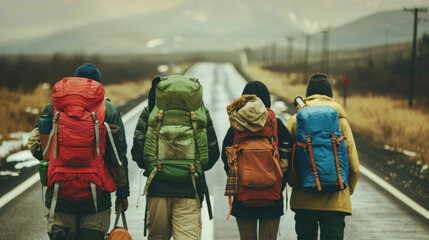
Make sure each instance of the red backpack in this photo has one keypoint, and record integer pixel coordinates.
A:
(256, 157)
(77, 170)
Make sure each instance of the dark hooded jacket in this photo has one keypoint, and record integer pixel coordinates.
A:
(112, 116)
(285, 149)
(163, 189)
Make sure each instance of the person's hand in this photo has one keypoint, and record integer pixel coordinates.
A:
(123, 201)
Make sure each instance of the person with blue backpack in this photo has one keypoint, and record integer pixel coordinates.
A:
(325, 166)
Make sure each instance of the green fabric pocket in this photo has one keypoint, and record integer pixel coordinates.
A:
(176, 171)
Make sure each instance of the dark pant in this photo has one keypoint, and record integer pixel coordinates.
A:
(331, 224)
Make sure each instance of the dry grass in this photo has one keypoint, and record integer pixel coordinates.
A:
(119, 93)
(19, 111)
(386, 120)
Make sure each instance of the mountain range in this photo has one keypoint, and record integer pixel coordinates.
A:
(183, 29)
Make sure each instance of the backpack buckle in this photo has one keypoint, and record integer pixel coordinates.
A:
(159, 167)
(192, 168)
(160, 114)
(193, 117)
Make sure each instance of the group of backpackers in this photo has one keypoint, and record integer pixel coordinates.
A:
(84, 151)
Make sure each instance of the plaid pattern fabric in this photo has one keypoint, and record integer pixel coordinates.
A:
(231, 188)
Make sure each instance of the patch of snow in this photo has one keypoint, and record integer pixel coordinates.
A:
(26, 164)
(9, 173)
(20, 156)
(10, 146)
(155, 42)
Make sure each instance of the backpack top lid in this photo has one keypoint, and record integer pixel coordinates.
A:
(317, 118)
(75, 91)
(179, 92)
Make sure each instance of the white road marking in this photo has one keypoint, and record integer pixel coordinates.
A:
(207, 232)
(5, 199)
(136, 110)
(395, 192)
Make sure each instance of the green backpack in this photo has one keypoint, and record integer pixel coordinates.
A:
(176, 148)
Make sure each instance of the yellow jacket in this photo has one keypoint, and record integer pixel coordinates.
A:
(337, 201)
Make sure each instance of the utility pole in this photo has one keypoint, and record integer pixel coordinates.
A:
(290, 52)
(325, 51)
(413, 53)
(273, 53)
(306, 56)
(387, 46)
(263, 57)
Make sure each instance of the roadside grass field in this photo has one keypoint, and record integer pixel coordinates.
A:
(19, 111)
(384, 119)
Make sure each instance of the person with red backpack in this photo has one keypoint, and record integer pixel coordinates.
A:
(255, 153)
(87, 159)
(325, 164)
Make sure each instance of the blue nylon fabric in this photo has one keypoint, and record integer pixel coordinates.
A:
(319, 122)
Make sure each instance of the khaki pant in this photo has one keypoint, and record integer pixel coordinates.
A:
(177, 217)
(268, 228)
(79, 226)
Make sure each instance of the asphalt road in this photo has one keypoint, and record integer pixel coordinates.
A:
(376, 214)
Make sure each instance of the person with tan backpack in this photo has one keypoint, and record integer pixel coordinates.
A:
(255, 152)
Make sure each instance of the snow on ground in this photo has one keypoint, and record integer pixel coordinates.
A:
(9, 146)
(20, 156)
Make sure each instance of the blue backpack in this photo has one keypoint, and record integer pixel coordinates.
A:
(321, 154)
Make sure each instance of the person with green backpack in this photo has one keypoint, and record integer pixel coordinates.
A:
(175, 143)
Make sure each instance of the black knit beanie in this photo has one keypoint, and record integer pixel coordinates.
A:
(88, 70)
(319, 84)
(260, 90)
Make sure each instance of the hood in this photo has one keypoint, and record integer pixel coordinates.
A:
(317, 100)
(247, 112)
(260, 90)
(152, 92)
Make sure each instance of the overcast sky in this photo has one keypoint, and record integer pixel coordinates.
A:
(23, 19)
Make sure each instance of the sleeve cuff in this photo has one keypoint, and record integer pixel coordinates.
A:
(122, 194)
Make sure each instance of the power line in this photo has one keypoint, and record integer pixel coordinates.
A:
(413, 53)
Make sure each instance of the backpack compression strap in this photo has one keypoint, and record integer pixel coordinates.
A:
(313, 163)
(276, 155)
(112, 142)
(337, 163)
(52, 208)
(158, 166)
(197, 158)
(97, 133)
(54, 129)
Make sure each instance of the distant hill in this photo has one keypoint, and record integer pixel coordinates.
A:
(376, 29)
(220, 26)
